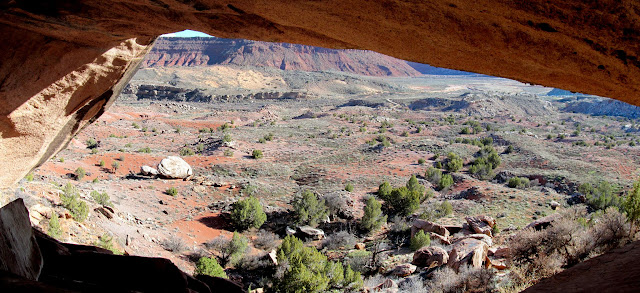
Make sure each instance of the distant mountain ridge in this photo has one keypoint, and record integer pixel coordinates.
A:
(218, 51)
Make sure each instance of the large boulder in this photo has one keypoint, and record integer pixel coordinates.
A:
(403, 270)
(543, 222)
(481, 224)
(482, 237)
(427, 227)
(173, 167)
(308, 232)
(429, 257)
(468, 251)
(19, 251)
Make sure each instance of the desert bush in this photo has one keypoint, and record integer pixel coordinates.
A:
(454, 162)
(402, 201)
(146, 150)
(338, 205)
(228, 153)
(54, 230)
(101, 198)
(91, 143)
(78, 208)
(231, 250)
(433, 175)
(209, 267)
(115, 166)
(433, 212)
(341, 239)
(186, 152)
(308, 209)
(518, 182)
(468, 279)
(373, 218)
(266, 240)
(414, 186)
(101, 163)
(358, 260)
(610, 230)
(105, 241)
(257, 154)
(80, 173)
(247, 214)
(227, 138)
(445, 182)
(304, 269)
(421, 161)
(171, 191)
(349, 187)
(632, 205)
(419, 240)
(601, 196)
(173, 244)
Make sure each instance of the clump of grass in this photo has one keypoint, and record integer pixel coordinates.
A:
(171, 191)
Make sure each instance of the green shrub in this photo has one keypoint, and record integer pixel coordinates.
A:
(101, 163)
(349, 187)
(231, 250)
(433, 175)
(101, 198)
(518, 182)
(602, 196)
(257, 154)
(268, 137)
(384, 190)
(421, 161)
(115, 165)
(186, 152)
(509, 149)
(402, 201)
(29, 177)
(373, 218)
(442, 210)
(135, 125)
(309, 210)
(454, 163)
(419, 240)
(227, 138)
(228, 153)
(145, 150)
(91, 143)
(105, 241)
(171, 191)
(54, 230)
(209, 267)
(262, 140)
(247, 214)
(632, 205)
(304, 269)
(445, 181)
(71, 201)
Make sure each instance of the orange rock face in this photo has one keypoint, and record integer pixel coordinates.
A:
(62, 63)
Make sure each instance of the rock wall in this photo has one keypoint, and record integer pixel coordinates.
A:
(63, 62)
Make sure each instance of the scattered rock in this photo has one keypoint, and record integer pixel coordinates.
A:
(101, 210)
(481, 224)
(554, 204)
(289, 231)
(387, 286)
(502, 252)
(273, 257)
(439, 238)
(173, 167)
(427, 226)
(308, 232)
(403, 270)
(543, 222)
(429, 257)
(499, 264)
(259, 290)
(468, 251)
(360, 246)
(148, 171)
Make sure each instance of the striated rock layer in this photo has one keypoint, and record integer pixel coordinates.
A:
(62, 62)
(214, 51)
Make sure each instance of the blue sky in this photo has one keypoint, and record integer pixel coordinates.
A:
(186, 34)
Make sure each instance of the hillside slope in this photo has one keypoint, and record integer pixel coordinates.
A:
(215, 51)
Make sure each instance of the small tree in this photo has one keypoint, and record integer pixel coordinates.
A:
(101, 198)
(71, 201)
(309, 209)
(384, 190)
(414, 186)
(209, 267)
(419, 240)
(632, 206)
(373, 218)
(247, 214)
(54, 226)
(402, 201)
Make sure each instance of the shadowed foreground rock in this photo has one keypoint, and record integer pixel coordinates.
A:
(82, 268)
(614, 271)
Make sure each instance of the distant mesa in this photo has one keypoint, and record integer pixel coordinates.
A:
(218, 51)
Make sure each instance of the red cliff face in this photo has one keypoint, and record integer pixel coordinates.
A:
(212, 51)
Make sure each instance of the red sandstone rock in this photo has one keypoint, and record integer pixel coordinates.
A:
(431, 256)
